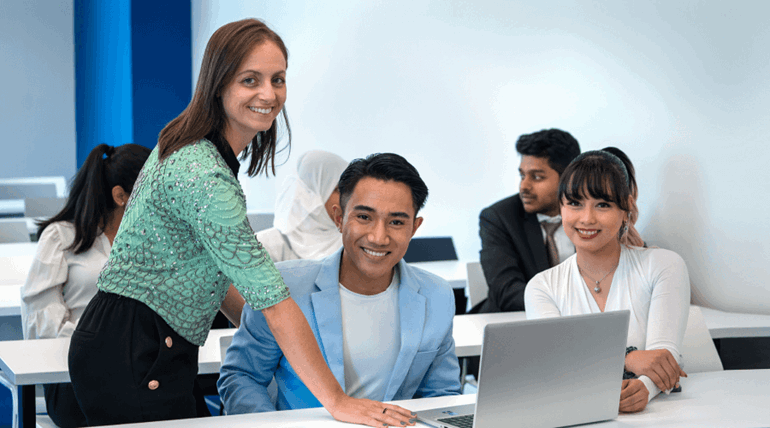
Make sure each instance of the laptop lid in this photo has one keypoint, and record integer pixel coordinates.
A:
(549, 372)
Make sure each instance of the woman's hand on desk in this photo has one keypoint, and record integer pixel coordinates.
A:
(633, 396)
(657, 364)
(372, 413)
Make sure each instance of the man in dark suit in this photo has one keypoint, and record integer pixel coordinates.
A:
(515, 231)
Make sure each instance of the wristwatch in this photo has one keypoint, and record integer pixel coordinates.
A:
(627, 374)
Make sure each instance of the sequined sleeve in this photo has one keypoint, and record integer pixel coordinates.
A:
(215, 209)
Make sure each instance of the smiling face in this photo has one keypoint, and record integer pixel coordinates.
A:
(539, 186)
(592, 224)
(377, 225)
(255, 96)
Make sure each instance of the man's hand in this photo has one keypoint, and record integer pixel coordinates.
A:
(633, 396)
(658, 364)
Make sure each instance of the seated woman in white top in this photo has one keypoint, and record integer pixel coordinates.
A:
(608, 273)
(72, 249)
(303, 225)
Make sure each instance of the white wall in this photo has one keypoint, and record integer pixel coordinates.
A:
(683, 87)
(37, 89)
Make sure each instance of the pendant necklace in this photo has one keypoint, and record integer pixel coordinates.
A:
(598, 289)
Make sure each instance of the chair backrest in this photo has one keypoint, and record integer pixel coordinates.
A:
(698, 351)
(430, 249)
(14, 231)
(43, 207)
(27, 190)
(477, 284)
(260, 221)
(272, 388)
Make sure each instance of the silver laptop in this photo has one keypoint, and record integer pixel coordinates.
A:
(545, 373)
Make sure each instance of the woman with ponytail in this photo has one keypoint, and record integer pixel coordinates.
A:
(72, 249)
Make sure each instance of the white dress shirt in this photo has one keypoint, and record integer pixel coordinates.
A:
(60, 283)
(650, 282)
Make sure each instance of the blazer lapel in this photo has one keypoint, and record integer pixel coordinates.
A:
(536, 243)
(328, 315)
(412, 316)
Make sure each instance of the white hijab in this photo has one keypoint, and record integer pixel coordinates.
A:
(300, 211)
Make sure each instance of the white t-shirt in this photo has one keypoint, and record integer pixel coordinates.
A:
(371, 340)
(652, 283)
(564, 246)
(60, 283)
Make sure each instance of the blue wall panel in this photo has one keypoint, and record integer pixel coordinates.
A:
(133, 70)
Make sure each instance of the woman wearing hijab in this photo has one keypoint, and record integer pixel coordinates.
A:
(303, 225)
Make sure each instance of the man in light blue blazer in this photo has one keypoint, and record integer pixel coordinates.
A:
(383, 326)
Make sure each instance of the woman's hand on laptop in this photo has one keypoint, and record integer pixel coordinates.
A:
(372, 413)
(657, 364)
(633, 396)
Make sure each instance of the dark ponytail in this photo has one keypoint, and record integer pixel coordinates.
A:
(90, 201)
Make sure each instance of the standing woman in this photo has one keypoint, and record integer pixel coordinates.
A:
(185, 238)
(609, 273)
(72, 248)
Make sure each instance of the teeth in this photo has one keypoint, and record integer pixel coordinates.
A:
(374, 253)
(587, 232)
(261, 110)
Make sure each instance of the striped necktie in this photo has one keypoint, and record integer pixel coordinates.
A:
(550, 242)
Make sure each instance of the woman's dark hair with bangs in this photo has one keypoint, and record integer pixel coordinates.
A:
(205, 116)
(601, 175)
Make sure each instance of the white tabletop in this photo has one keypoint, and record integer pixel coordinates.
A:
(729, 399)
(469, 330)
(454, 271)
(10, 300)
(730, 324)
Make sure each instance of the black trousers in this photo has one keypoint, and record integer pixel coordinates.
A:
(127, 365)
(62, 407)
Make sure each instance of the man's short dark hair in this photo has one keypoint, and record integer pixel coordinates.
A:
(386, 167)
(555, 145)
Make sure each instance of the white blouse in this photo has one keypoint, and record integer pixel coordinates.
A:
(60, 283)
(652, 283)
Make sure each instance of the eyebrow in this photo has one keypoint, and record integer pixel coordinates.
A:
(366, 208)
(531, 170)
(259, 73)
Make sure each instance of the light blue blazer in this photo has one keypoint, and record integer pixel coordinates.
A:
(426, 365)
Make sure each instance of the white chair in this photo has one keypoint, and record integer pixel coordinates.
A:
(43, 207)
(272, 388)
(698, 351)
(260, 221)
(14, 231)
(477, 284)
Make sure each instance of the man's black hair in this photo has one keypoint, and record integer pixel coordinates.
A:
(554, 145)
(386, 167)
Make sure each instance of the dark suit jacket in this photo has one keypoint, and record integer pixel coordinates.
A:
(512, 252)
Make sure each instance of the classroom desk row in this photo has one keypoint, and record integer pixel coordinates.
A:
(27, 363)
(713, 399)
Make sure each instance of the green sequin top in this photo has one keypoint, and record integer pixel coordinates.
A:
(184, 238)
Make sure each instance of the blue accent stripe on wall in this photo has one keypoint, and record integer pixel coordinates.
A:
(103, 104)
(133, 70)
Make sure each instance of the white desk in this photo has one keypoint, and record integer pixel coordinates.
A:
(454, 271)
(10, 300)
(715, 399)
(25, 364)
(729, 324)
(468, 330)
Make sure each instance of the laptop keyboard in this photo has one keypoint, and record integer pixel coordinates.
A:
(464, 421)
